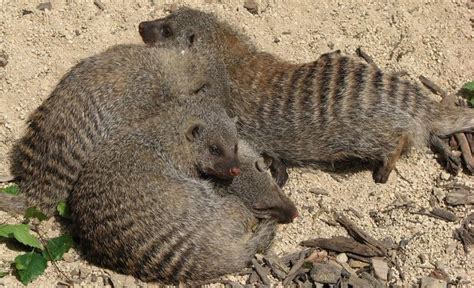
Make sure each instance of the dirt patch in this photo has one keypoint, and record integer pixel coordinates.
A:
(430, 38)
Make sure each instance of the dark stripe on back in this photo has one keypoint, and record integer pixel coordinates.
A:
(307, 90)
(277, 95)
(176, 272)
(289, 108)
(340, 85)
(324, 89)
(393, 92)
(378, 89)
(360, 75)
(405, 104)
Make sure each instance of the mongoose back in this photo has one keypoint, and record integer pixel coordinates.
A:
(139, 212)
(328, 110)
(92, 101)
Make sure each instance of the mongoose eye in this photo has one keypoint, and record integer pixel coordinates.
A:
(214, 150)
(166, 31)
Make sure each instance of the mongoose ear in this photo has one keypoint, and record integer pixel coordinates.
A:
(194, 128)
(267, 160)
(190, 37)
(261, 165)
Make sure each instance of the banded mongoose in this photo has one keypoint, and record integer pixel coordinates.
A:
(137, 211)
(95, 99)
(332, 109)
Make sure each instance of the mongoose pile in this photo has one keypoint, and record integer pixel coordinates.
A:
(332, 109)
(139, 212)
(95, 99)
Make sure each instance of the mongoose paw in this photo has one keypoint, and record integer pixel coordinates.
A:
(381, 174)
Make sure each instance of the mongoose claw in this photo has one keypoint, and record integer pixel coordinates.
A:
(381, 174)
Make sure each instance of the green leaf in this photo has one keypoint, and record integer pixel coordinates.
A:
(21, 232)
(3, 274)
(469, 86)
(472, 101)
(63, 210)
(56, 247)
(12, 189)
(30, 266)
(33, 212)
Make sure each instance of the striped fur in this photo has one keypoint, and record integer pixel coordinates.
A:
(92, 101)
(332, 109)
(136, 211)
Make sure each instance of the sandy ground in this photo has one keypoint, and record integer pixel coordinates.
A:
(432, 38)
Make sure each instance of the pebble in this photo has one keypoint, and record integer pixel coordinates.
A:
(251, 6)
(325, 273)
(380, 268)
(444, 176)
(3, 59)
(45, 6)
(356, 264)
(342, 258)
(120, 281)
(85, 272)
(428, 282)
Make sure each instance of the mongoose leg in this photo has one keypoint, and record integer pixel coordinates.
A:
(382, 172)
(278, 170)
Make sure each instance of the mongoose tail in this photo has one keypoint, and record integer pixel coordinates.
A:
(452, 120)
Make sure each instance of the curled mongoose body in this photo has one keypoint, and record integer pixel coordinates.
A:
(331, 109)
(139, 212)
(94, 100)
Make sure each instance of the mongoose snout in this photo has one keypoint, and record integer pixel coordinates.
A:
(280, 208)
(152, 30)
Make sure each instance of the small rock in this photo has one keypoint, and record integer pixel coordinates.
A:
(251, 6)
(69, 257)
(444, 176)
(380, 268)
(325, 273)
(3, 59)
(120, 281)
(99, 4)
(75, 272)
(342, 258)
(26, 12)
(423, 258)
(170, 8)
(93, 278)
(318, 191)
(356, 264)
(276, 40)
(438, 193)
(45, 6)
(85, 272)
(428, 282)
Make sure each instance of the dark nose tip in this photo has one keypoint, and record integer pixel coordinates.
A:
(295, 215)
(141, 27)
(234, 171)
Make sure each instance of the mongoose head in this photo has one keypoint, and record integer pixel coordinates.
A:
(183, 28)
(258, 190)
(215, 142)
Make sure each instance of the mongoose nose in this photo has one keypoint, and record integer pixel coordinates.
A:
(234, 171)
(141, 27)
(295, 215)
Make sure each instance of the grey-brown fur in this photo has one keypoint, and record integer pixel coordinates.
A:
(95, 99)
(331, 109)
(138, 211)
